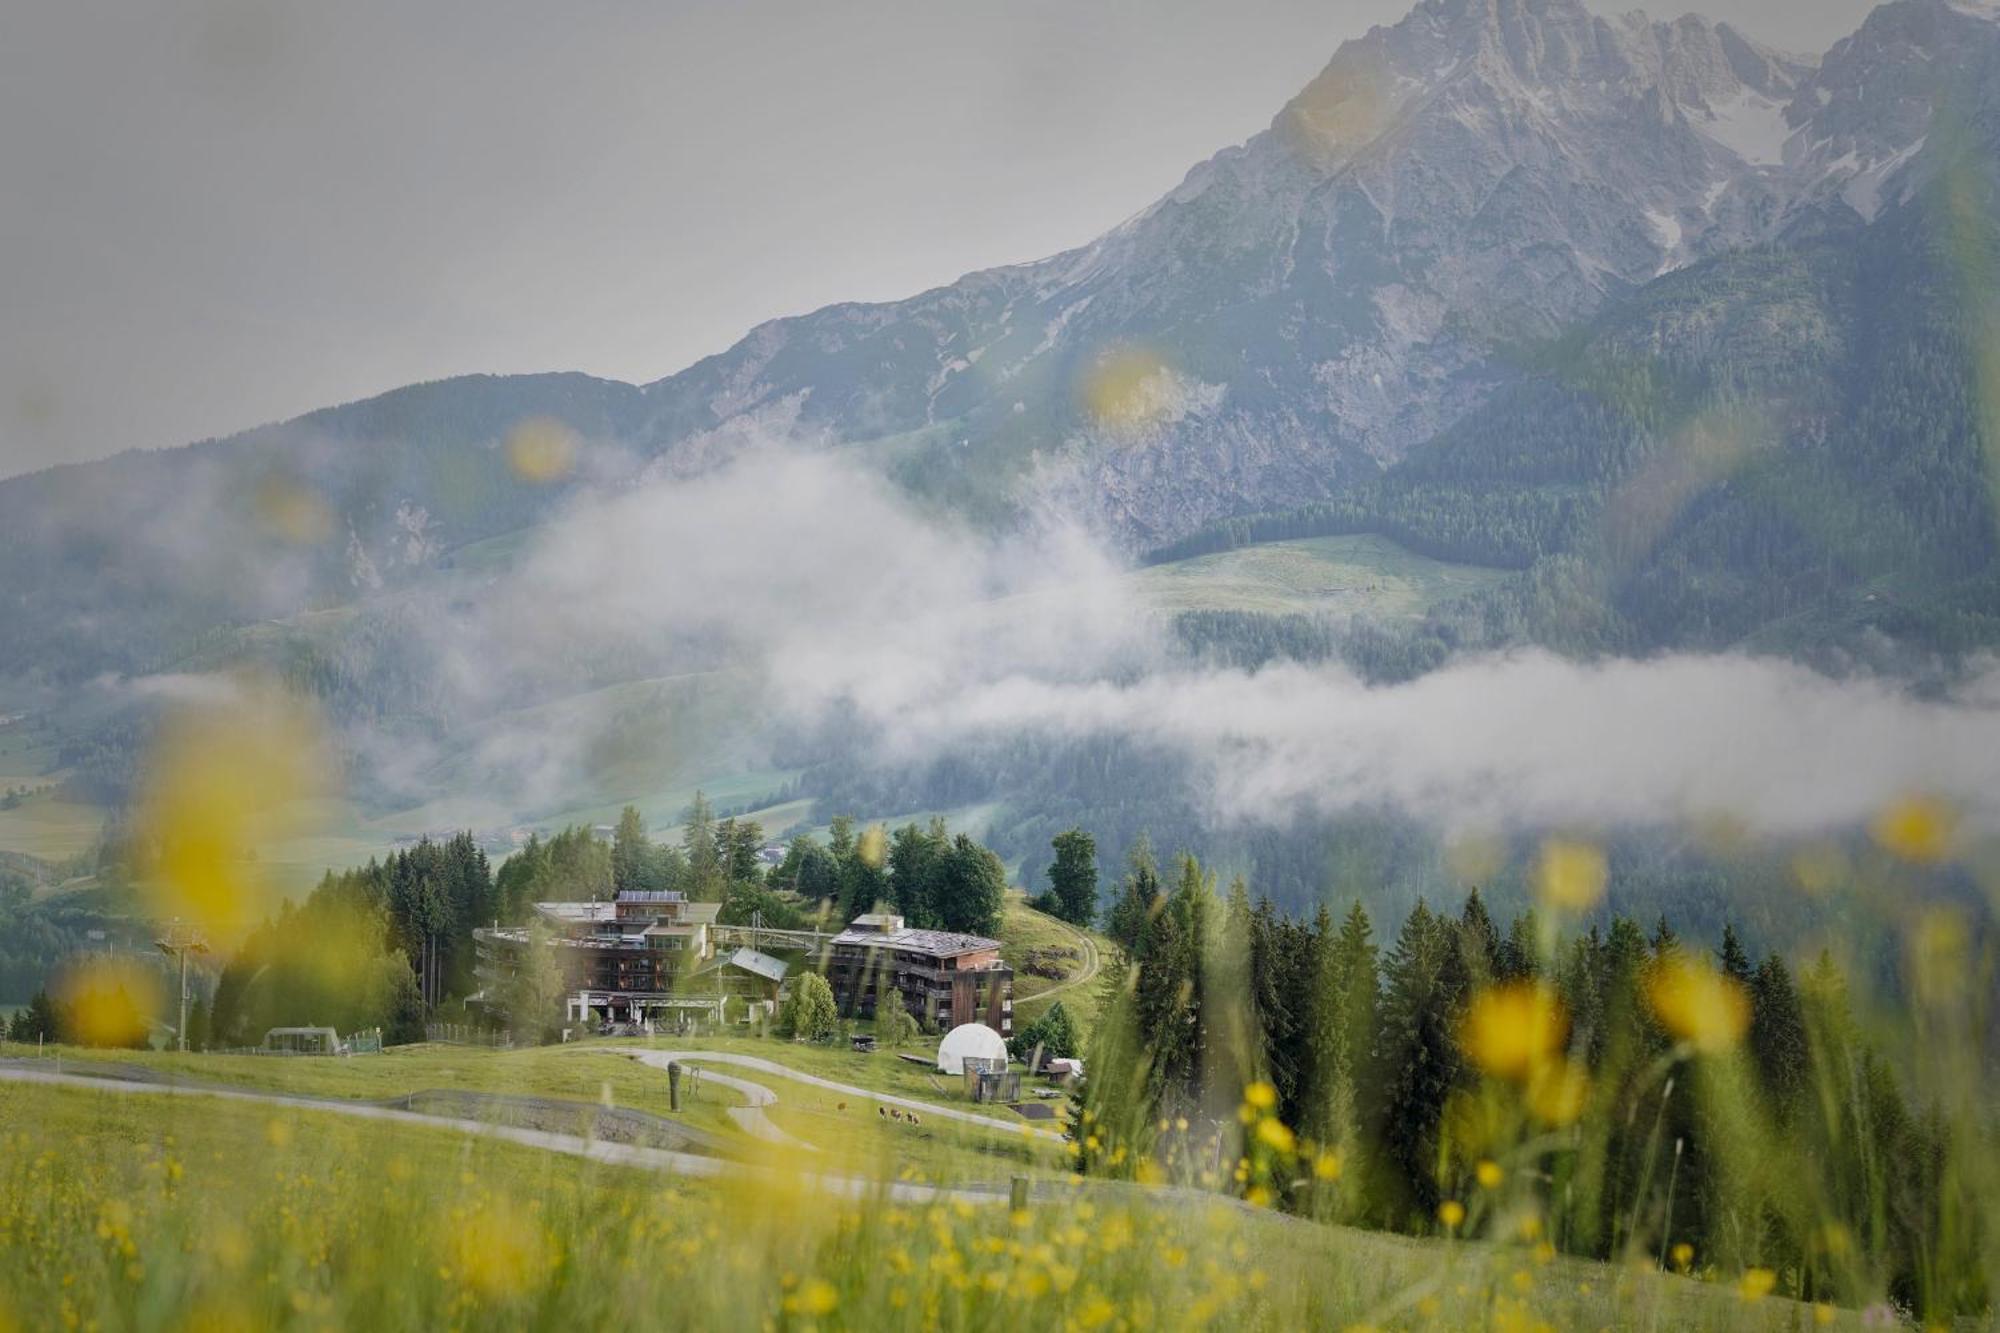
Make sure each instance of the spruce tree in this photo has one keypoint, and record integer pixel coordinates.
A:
(704, 858)
(1779, 1047)
(628, 851)
(1520, 952)
(1481, 938)
(1073, 876)
(1735, 962)
(1417, 1061)
(1131, 919)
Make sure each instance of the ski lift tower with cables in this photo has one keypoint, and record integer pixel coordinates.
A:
(178, 942)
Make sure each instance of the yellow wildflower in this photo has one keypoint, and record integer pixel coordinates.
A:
(1570, 875)
(1756, 1284)
(1275, 1135)
(1917, 828)
(1698, 1004)
(1512, 1030)
(816, 1297)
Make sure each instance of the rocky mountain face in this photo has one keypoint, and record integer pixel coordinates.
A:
(1303, 312)
(1307, 307)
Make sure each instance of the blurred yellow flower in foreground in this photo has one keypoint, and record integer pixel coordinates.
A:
(1128, 389)
(1511, 1030)
(1570, 875)
(1756, 1284)
(1475, 858)
(1490, 1174)
(1917, 828)
(1452, 1213)
(1939, 946)
(541, 450)
(1558, 1093)
(111, 1001)
(292, 512)
(816, 1297)
(1820, 869)
(1698, 1004)
(223, 776)
(1262, 1096)
(872, 847)
(1683, 1256)
(1274, 1135)
(498, 1253)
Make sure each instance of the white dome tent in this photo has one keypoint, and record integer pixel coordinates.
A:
(970, 1041)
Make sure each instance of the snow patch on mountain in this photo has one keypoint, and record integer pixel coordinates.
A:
(1863, 192)
(1750, 125)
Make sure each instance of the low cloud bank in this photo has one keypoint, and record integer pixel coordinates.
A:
(817, 586)
(1529, 738)
(843, 593)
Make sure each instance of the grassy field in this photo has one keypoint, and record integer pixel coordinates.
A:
(1360, 575)
(846, 1129)
(129, 1213)
(589, 1076)
(25, 756)
(1023, 928)
(879, 1072)
(50, 827)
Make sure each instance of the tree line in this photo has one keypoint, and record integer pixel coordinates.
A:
(1628, 1091)
(390, 944)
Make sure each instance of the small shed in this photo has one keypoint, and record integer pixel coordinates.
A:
(303, 1041)
(984, 1083)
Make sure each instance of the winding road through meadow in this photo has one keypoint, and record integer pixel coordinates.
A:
(761, 1096)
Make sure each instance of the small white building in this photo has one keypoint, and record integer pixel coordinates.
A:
(971, 1042)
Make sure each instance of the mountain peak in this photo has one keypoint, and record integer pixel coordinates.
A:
(1530, 59)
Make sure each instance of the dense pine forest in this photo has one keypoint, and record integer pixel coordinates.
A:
(1606, 1088)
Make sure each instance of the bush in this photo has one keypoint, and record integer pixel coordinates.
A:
(810, 1013)
(1054, 1033)
(894, 1024)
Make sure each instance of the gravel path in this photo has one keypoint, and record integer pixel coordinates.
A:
(597, 1150)
(1092, 964)
(751, 1117)
(773, 1068)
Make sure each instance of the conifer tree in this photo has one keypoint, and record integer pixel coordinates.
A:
(1073, 876)
(1417, 1060)
(1735, 963)
(698, 845)
(628, 851)
(1779, 1047)
(1480, 938)
(1520, 952)
(1131, 919)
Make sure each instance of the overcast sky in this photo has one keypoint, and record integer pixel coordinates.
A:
(215, 213)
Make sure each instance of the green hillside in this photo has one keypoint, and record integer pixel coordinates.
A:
(1363, 574)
